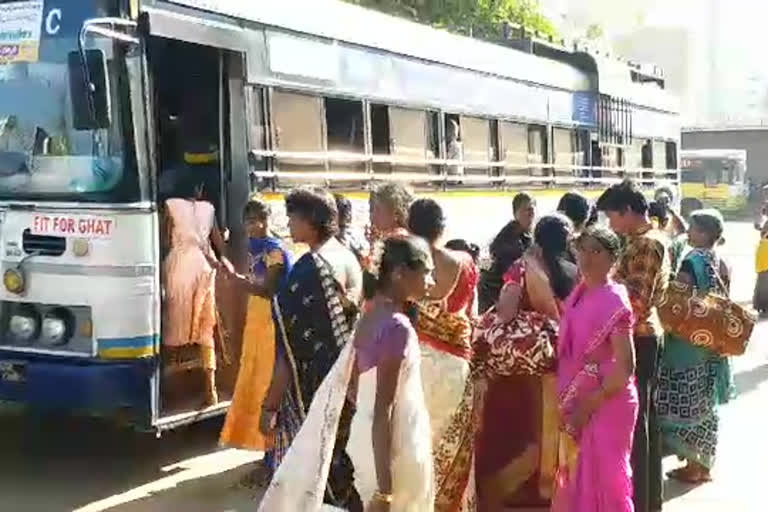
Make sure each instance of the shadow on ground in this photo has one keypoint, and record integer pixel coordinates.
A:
(61, 464)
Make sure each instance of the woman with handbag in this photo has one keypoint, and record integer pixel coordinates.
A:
(444, 327)
(514, 361)
(598, 398)
(688, 395)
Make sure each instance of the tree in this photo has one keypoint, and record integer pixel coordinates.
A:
(480, 18)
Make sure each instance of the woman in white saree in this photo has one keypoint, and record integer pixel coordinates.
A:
(390, 440)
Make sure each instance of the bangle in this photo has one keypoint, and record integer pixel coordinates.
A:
(381, 497)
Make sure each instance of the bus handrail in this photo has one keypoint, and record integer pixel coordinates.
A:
(349, 157)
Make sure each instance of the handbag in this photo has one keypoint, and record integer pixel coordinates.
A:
(707, 320)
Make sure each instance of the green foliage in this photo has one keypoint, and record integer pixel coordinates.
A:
(480, 18)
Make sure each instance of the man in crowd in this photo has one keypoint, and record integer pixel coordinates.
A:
(644, 270)
(509, 245)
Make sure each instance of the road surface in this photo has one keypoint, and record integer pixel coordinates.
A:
(61, 465)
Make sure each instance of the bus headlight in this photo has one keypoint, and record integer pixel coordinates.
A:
(22, 327)
(55, 328)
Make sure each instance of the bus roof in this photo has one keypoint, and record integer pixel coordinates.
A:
(739, 154)
(341, 21)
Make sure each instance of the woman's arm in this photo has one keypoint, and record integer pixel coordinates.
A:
(220, 248)
(277, 387)
(624, 356)
(387, 374)
(265, 289)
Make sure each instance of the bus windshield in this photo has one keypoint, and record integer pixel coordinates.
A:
(42, 155)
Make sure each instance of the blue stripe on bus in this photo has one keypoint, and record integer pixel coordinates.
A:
(132, 342)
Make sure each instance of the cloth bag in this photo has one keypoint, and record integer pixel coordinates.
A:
(706, 319)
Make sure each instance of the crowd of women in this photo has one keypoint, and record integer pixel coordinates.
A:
(393, 374)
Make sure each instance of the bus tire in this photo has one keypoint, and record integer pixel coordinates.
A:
(689, 205)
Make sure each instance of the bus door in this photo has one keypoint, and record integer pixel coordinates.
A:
(191, 93)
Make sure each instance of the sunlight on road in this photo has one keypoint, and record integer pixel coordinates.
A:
(196, 468)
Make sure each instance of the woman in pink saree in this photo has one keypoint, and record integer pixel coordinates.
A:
(597, 394)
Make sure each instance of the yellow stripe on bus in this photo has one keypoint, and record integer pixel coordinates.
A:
(126, 353)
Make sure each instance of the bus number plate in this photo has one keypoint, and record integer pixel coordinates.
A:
(12, 371)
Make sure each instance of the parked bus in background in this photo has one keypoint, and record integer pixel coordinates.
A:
(713, 178)
(96, 98)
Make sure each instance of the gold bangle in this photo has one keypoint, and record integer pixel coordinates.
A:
(381, 497)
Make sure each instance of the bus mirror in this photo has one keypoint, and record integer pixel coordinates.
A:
(89, 89)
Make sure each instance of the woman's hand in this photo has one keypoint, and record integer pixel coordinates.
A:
(586, 409)
(377, 506)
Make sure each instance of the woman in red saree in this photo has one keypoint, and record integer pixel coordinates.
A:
(444, 327)
(517, 439)
(597, 393)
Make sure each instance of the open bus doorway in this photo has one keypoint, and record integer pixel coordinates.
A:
(188, 100)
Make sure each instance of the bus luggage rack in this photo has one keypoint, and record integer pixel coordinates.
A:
(43, 244)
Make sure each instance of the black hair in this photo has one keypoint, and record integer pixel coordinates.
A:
(459, 244)
(710, 221)
(622, 197)
(576, 207)
(609, 240)
(411, 252)
(344, 207)
(426, 219)
(660, 211)
(521, 199)
(316, 206)
(257, 208)
(551, 235)
(187, 184)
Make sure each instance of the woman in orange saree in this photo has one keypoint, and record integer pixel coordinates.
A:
(517, 440)
(444, 327)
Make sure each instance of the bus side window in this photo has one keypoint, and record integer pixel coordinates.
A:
(494, 152)
(671, 156)
(344, 120)
(564, 145)
(514, 148)
(297, 122)
(408, 138)
(433, 139)
(257, 133)
(476, 142)
(537, 149)
(381, 139)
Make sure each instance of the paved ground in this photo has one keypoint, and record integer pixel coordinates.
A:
(60, 465)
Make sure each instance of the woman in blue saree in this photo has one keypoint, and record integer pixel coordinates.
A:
(314, 315)
(694, 381)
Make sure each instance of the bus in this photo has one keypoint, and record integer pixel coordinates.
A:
(714, 178)
(95, 102)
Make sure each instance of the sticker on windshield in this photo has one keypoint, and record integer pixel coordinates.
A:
(20, 24)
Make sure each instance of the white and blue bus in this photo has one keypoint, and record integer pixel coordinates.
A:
(92, 100)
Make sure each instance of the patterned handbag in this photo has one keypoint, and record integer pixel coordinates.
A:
(706, 319)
